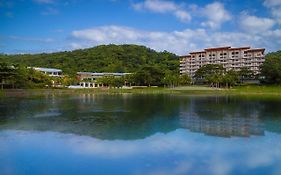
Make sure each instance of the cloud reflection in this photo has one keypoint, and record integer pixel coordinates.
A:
(177, 152)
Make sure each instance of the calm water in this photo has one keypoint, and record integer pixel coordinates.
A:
(140, 134)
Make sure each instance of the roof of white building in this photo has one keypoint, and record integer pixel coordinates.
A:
(43, 69)
(103, 74)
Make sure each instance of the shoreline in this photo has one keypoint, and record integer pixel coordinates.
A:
(186, 90)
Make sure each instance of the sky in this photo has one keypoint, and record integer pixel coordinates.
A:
(178, 26)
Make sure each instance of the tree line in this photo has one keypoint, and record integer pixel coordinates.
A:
(102, 58)
(217, 76)
(14, 76)
(148, 68)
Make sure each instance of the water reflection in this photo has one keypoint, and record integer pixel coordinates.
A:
(226, 127)
(178, 152)
(140, 134)
(132, 117)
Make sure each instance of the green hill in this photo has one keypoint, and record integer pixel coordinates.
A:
(103, 58)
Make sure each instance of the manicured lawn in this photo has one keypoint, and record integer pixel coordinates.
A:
(185, 90)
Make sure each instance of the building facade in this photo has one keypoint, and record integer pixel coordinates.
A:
(49, 71)
(89, 79)
(230, 58)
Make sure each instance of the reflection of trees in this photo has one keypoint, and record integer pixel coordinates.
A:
(103, 116)
(270, 114)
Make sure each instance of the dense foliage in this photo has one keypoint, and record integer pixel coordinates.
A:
(271, 68)
(18, 76)
(217, 76)
(103, 58)
(148, 66)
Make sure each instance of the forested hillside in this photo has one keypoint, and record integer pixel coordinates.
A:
(103, 58)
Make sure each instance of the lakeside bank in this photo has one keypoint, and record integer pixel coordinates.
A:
(184, 90)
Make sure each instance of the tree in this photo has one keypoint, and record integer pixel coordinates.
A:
(170, 79)
(184, 80)
(211, 74)
(230, 78)
(111, 81)
(7, 74)
(129, 79)
(117, 82)
(149, 75)
(19, 76)
(271, 68)
(106, 80)
(245, 74)
(104, 58)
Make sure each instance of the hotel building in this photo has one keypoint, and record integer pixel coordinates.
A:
(230, 58)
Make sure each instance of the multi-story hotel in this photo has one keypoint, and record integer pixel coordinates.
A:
(230, 58)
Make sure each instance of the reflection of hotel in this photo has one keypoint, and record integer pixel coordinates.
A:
(226, 127)
(230, 58)
(90, 79)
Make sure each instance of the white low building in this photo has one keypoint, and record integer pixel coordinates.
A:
(49, 71)
(89, 79)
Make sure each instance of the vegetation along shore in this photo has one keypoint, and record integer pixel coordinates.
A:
(137, 67)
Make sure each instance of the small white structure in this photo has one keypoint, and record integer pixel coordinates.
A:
(49, 71)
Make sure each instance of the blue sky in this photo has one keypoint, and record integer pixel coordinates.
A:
(179, 26)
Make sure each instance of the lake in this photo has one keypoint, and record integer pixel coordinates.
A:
(140, 134)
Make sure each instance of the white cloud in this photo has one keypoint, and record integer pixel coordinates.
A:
(272, 3)
(160, 6)
(183, 15)
(275, 8)
(29, 39)
(276, 12)
(75, 46)
(253, 24)
(50, 11)
(216, 15)
(163, 6)
(179, 42)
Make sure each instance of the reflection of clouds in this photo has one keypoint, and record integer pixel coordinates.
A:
(178, 152)
(178, 169)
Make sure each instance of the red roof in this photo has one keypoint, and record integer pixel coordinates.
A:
(246, 48)
(239, 48)
(217, 48)
(197, 52)
(254, 50)
(184, 56)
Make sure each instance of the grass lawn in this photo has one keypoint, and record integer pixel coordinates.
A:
(187, 90)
